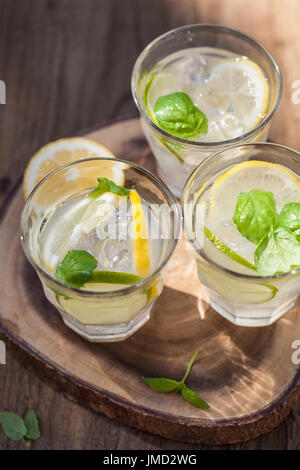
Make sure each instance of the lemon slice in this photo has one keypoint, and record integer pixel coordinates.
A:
(238, 92)
(222, 198)
(55, 243)
(140, 238)
(97, 211)
(254, 174)
(64, 151)
(71, 222)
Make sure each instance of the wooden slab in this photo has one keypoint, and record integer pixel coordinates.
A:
(246, 374)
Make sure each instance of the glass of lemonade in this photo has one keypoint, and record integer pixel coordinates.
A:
(231, 78)
(242, 215)
(98, 232)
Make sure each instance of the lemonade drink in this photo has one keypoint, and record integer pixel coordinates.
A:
(105, 228)
(248, 257)
(99, 249)
(236, 88)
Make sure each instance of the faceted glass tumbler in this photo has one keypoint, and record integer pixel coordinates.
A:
(110, 315)
(244, 299)
(176, 157)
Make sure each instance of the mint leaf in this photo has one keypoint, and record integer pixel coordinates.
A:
(13, 425)
(170, 385)
(161, 384)
(32, 425)
(193, 398)
(278, 252)
(107, 186)
(190, 365)
(289, 218)
(177, 114)
(255, 213)
(76, 268)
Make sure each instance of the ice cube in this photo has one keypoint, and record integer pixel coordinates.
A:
(115, 256)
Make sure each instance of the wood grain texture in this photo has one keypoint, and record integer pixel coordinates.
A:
(275, 23)
(61, 63)
(246, 374)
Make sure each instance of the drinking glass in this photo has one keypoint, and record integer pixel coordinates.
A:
(116, 313)
(242, 297)
(177, 157)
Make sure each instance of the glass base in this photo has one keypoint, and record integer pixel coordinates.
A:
(107, 333)
(251, 315)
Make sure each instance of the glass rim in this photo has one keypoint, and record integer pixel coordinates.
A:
(185, 192)
(116, 292)
(233, 32)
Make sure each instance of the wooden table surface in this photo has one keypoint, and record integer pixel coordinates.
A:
(67, 67)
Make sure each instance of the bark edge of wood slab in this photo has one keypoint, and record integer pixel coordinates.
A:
(246, 374)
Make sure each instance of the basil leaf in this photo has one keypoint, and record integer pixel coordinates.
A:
(278, 252)
(76, 268)
(13, 425)
(289, 218)
(32, 425)
(107, 186)
(177, 114)
(161, 384)
(255, 213)
(193, 398)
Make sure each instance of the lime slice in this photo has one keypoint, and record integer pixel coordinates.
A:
(263, 292)
(227, 251)
(154, 88)
(146, 97)
(236, 291)
(114, 277)
(161, 83)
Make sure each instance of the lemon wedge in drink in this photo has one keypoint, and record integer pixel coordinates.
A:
(240, 89)
(220, 207)
(248, 175)
(235, 97)
(72, 222)
(140, 236)
(64, 151)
